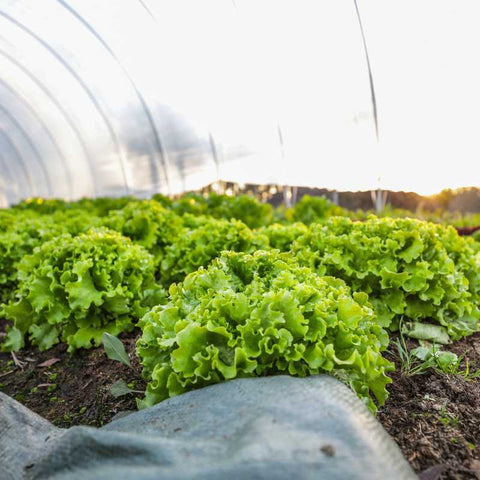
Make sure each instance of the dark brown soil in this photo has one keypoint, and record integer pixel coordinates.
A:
(434, 418)
(76, 389)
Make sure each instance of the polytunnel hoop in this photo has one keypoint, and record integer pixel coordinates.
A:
(369, 68)
(32, 110)
(87, 91)
(21, 161)
(35, 150)
(8, 172)
(62, 111)
(146, 110)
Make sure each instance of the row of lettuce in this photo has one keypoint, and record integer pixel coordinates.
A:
(251, 212)
(226, 287)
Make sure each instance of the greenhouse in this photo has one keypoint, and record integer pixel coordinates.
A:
(239, 239)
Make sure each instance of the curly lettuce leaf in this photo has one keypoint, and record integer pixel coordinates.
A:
(261, 314)
(74, 289)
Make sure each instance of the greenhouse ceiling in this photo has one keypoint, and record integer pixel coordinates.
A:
(141, 96)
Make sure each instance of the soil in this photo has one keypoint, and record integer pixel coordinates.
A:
(75, 390)
(434, 418)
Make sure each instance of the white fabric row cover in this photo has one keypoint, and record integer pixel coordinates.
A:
(141, 96)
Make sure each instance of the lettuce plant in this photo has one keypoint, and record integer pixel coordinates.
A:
(148, 224)
(10, 217)
(191, 203)
(102, 206)
(76, 288)
(313, 209)
(261, 314)
(202, 241)
(41, 205)
(99, 206)
(241, 207)
(27, 231)
(20, 239)
(281, 237)
(180, 244)
(245, 208)
(407, 267)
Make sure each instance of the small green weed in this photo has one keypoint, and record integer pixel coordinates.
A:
(409, 363)
(428, 357)
(447, 418)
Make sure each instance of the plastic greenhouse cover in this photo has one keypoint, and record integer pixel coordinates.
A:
(138, 96)
(424, 63)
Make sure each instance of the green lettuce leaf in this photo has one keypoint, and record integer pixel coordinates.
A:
(261, 314)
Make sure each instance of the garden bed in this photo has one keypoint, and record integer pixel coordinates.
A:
(75, 390)
(433, 417)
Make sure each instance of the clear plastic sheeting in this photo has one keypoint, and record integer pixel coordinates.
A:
(424, 58)
(143, 96)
